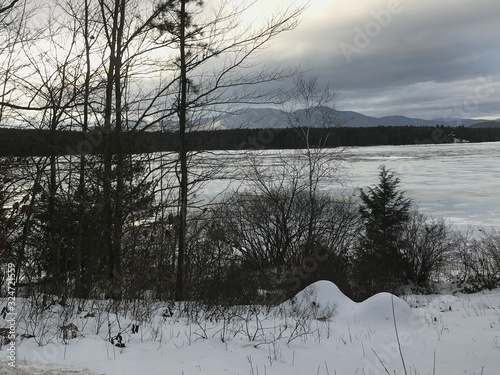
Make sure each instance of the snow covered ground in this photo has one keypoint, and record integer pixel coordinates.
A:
(320, 331)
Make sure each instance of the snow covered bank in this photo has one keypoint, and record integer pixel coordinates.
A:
(327, 299)
(321, 332)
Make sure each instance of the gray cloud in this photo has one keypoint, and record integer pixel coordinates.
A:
(412, 57)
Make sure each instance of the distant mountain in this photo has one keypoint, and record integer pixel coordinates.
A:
(461, 121)
(486, 124)
(254, 118)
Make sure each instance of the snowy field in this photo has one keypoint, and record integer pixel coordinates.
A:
(321, 332)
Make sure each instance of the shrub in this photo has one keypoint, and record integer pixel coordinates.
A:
(426, 247)
(479, 262)
(273, 243)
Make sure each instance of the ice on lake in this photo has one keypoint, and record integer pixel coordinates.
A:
(459, 182)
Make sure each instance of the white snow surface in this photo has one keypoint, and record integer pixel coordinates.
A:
(321, 332)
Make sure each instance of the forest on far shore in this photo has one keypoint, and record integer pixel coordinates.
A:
(42, 142)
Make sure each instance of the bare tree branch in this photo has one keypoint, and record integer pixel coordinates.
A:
(8, 7)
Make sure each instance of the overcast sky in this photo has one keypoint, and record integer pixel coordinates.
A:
(418, 58)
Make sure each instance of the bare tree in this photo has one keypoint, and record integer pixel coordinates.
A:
(284, 219)
(427, 248)
(310, 107)
(214, 69)
(82, 15)
(48, 82)
(124, 30)
(14, 32)
(478, 260)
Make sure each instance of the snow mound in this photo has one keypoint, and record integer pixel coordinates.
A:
(324, 298)
(384, 307)
(325, 293)
(320, 299)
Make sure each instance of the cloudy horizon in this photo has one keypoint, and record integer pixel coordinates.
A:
(417, 58)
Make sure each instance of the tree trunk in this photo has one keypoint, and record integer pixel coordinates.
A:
(118, 209)
(183, 193)
(108, 153)
(81, 182)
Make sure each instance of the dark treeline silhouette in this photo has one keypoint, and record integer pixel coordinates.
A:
(36, 142)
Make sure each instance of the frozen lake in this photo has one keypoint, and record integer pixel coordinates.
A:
(460, 182)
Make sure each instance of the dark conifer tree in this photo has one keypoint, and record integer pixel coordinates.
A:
(384, 211)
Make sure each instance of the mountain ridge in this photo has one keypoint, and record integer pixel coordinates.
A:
(266, 117)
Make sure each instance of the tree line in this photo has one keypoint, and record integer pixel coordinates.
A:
(42, 142)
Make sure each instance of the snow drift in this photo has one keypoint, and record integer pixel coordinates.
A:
(324, 299)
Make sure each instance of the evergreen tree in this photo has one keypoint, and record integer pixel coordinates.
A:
(384, 211)
(63, 266)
